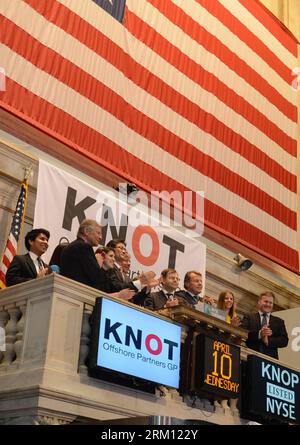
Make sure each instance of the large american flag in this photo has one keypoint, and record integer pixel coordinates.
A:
(14, 234)
(174, 95)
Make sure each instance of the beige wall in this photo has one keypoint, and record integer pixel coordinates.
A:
(288, 11)
(291, 354)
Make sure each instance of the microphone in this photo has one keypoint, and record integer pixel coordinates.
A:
(54, 268)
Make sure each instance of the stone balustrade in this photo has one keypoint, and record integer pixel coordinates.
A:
(43, 373)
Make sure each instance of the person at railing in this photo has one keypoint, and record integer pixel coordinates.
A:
(118, 280)
(267, 333)
(169, 295)
(125, 266)
(226, 303)
(29, 266)
(166, 296)
(105, 257)
(78, 260)
(193, 285)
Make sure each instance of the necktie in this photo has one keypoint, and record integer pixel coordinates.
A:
(264, 320)
(121, 275)
(196, 299)
(40, 263)
(170, 296)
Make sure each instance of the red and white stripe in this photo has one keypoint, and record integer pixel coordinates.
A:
(9, 253)
(185, 95)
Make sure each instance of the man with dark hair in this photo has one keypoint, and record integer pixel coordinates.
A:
(29, 266)
(115, 274)
(118, 279)
(125, 266)
(266, 333)
(166, 296)
(113, 243)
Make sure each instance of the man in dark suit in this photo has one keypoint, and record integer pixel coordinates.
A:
(193, 287)
(118, 279)
(78, 260)
(29, 266)
(167, 296)
(267, 333)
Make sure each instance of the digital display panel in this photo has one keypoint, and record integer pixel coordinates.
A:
(214, 312)
(216, 368)
(131, 342)
(271, 391)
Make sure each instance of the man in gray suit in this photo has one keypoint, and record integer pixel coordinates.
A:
(267, 333)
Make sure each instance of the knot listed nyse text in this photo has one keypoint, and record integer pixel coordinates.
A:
(281, 394)
(152, 342)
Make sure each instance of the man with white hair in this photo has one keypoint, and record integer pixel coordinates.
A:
(78, 260)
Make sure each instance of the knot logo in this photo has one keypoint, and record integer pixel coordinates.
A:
(153, 344)
(135, 344)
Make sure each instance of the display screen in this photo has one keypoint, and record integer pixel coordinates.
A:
(131, 342)
(216, 369)
(271, 391)
(214, 311)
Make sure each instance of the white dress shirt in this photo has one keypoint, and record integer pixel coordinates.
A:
(34, 258)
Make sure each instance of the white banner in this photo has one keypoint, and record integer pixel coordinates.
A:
(291, 354)
(63, 201)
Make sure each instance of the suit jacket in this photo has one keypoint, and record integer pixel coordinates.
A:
(187, 298)
(21, 269)
(278, 339)
(79, 263)
(117, 281)
(157, 300)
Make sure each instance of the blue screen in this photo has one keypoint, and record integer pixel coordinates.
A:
(138, 344)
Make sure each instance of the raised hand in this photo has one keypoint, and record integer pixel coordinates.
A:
(99, 259)
(265, 333)
(146, 278)
(172, 303)
(152, 283)
(235, 321)
(43, 272)
(125, 294)
(209, 300)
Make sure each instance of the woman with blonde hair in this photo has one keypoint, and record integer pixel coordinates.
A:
(226, 303)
